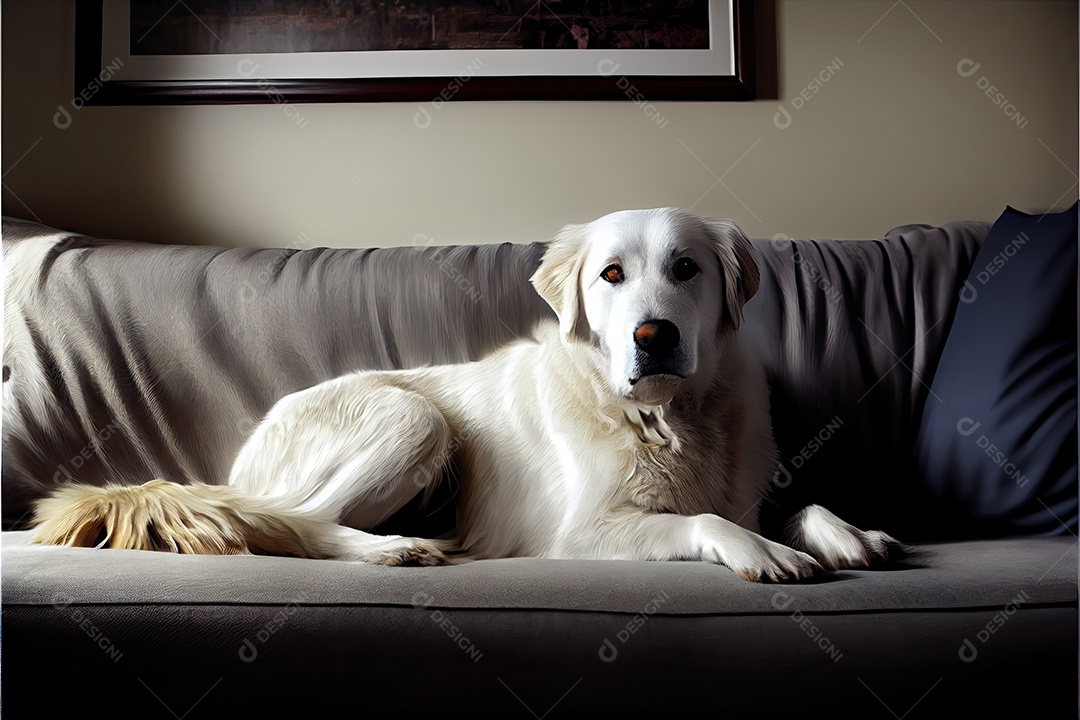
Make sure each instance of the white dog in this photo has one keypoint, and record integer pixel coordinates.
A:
(634, 428)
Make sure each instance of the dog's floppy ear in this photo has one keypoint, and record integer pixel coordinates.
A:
(558, 280)
(740, 270)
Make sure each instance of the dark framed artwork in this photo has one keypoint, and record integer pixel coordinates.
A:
(251, 51)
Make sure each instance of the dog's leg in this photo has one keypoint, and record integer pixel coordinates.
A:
(838, 545)
(354, 450)
(352, 545)
(711, 538)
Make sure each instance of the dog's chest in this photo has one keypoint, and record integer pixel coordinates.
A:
(695, 478)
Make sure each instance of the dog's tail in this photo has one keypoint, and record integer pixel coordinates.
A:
(168, 517)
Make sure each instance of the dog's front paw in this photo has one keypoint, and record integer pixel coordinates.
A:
(779, 564)
(883, 548)
(838, 545)
(756, 559)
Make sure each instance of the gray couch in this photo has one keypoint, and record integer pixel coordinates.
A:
(131, 361)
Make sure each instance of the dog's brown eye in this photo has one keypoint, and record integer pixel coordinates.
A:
(613, 274)
(684, 269)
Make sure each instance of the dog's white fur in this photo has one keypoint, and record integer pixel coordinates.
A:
(573, 444)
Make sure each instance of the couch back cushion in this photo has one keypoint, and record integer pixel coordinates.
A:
(127, 361)
(850, 333)
(998, 438)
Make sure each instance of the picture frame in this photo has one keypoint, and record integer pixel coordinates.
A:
(107, 72)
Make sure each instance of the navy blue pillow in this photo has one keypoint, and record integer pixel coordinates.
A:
(998, 437)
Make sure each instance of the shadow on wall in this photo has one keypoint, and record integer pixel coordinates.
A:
(47, 124)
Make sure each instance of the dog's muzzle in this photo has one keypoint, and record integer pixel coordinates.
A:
(657, 378)
(657, 339)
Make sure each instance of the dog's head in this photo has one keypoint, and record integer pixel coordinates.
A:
(655, 291)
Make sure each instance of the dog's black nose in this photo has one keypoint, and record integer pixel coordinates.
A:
(657, 338)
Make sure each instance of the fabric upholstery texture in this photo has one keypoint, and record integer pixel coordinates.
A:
(985, 573)
(998, 443)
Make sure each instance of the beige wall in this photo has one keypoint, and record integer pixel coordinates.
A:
(895, 135)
